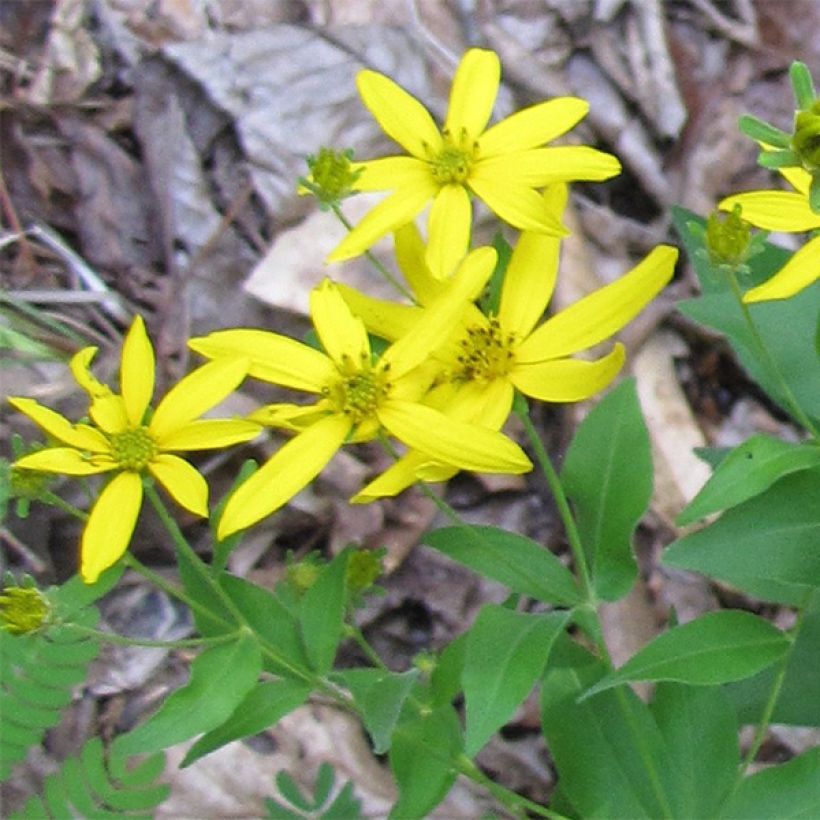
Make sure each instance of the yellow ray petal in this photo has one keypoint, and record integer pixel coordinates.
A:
(195, 394)
(342, 334)
(110, 525)
(463, 445)
(183, 483)
(398, 209)
(294, 417)
(798, 178)
(530, 277)
(600, 314)
(410, 253)
(473, 93)
(437, 320)
(65, 461)
(543, 166)
(388, 173)
(533, 126)
(273, 358)
(209, 434)
(53, 424)
(137, 372)
(517, 204)
(565, 380)
(384, 318)
(291, 469)
(783, 211)
(799, 272)
(402, 117)
(107, 409)
(402, 475)
(448, 230)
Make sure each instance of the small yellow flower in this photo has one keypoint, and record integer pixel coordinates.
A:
(126, 440)
(501, 165)
(786, 212)
(488, 358)
(357, 398)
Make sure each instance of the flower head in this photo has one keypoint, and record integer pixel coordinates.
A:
(331, 177)
(487, 358)
(502, 164)
(126, 440)
(359, 397)
(786, 212)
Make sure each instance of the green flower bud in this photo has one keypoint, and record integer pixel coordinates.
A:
(806, 139)
(332, 176)
(303, 574)
(24, 610)
(727, 238)
(363, 568)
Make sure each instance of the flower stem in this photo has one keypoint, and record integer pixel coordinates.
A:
(793, 405)
(121, 640)
(386, 274)
(49, 497)
(774, 694)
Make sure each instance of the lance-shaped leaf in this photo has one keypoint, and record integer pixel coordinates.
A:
(261, 708)
(519, 563)
(607, 475)
(750, 469)
(221, 676)
(791, 790)
(766, 546)
(716, 648)
(506, 653)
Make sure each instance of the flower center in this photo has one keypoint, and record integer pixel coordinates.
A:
(454, 162)
(487, 353)
(806, 139)
(133, 449)
(360, 390)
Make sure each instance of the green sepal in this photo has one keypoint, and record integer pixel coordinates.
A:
(761, 131)
(802, 85)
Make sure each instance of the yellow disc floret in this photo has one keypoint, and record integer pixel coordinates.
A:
(133, 449)
(487, 353)
(360, 390)
(454, 162)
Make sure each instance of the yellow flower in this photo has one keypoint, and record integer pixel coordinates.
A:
(501, 165)
(126, 440)
(786, 212)
(488, 358)
(357, 398)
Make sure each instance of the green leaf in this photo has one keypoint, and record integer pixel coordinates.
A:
(265, 704)
(802, 85)
(700, 730)
(791, 790)
(607, 475)
(799, 700)
(274, 624)
(506, 653)
(716, 648)
(380, 696)
(750, 469)
(785, 327)
(517, 562)
(220, 678)
(321, 614)
(611, 759)
(766, 546)
(445, 682)
(761, 131)
(421, 756)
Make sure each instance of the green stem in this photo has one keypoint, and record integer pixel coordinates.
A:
(512, 800)
(388, 277)
(771, 702)
(794, 406)
(121, 640)
(356, 634)
(49, 497)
